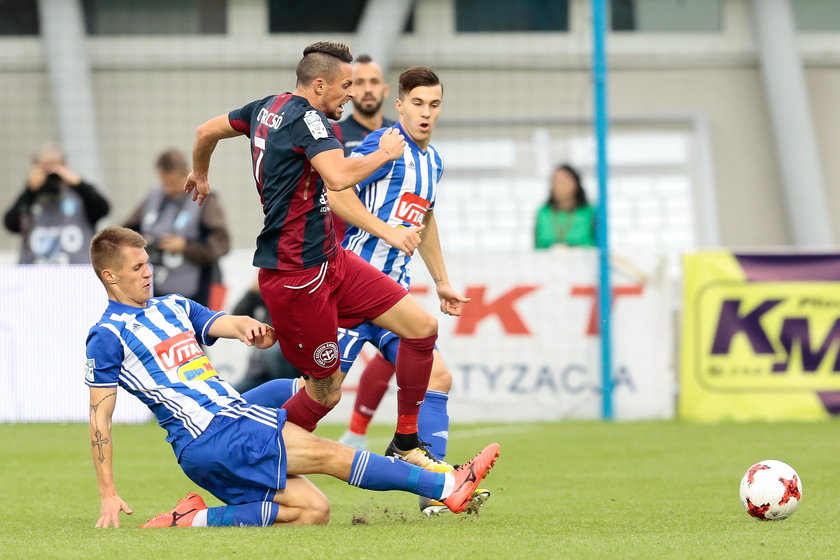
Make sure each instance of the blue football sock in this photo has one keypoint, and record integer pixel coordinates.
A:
(257, 514)
(272, 393)
(433, 422)
(374, 472)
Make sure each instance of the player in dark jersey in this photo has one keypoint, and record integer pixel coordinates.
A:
(310, 284)
(370, 91)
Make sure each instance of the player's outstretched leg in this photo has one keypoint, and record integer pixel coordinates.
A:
(300, 503)
(193, 512)
(272, 393)
(373, 384)
(308, 454)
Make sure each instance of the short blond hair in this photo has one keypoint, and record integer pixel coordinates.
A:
(106, 247)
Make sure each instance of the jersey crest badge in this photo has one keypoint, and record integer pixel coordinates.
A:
(326, 354)
(315, 124)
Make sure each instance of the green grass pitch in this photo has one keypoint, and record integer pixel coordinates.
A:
(560, 490)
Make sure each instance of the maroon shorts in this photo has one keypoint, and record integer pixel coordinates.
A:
(308, 306)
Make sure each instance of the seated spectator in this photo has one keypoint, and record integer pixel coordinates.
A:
(56, 213)
(566, 218)
(185, 240)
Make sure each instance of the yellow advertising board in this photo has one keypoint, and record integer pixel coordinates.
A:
(760, 337)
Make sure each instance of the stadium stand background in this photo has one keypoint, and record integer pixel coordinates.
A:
(694, 158)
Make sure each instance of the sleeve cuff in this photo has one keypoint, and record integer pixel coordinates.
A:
(205, 336)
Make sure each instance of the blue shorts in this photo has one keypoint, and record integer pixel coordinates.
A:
(351, 341)
(239, 460)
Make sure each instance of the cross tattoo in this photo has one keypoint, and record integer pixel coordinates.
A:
(99, 443)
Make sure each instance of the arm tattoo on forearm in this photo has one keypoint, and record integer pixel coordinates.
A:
(98, 441)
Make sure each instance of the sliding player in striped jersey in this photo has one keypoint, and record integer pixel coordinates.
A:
(386, 214)
(245, 454)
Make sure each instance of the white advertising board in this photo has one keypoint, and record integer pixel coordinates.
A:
(526, 347)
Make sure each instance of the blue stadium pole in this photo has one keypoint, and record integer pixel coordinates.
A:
(599, 80)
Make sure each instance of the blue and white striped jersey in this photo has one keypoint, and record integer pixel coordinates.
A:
(154, 354)
(399, 193)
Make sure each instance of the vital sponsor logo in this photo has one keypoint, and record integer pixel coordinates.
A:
(768, 336)
(271, 120)
(412, 209)
(178, 350)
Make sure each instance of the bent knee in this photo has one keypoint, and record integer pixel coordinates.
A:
(426, 327)
(317, 512)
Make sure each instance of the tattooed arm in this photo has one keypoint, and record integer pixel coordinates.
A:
(102, 401)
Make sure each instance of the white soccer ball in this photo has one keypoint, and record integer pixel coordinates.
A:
(771, 490)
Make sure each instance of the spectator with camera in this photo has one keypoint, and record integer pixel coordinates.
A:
(185, 240)
(56, 213)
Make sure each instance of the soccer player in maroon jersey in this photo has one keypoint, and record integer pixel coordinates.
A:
(310, 284)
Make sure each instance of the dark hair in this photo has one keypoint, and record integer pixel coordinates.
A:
(363, 59)
(106, 247)
(417, 76)
(322, 60)
(580, 194)
(171, 160)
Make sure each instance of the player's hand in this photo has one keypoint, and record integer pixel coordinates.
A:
(267, 340)
(451, 301)
(172, 243)
(257, 334)
(109, 511)
(198, 186)
(406, 239)
(392, 143)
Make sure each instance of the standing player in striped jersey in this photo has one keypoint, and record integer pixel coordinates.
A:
(386, 213)
(247, 455)
(310, 284)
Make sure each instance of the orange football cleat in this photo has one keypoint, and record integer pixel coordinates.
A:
(181, 516)
(468, 476)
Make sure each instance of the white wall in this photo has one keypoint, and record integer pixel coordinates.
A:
(152, 93)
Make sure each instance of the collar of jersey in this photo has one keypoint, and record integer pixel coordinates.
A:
(117, 307)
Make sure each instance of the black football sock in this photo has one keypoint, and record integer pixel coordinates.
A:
(406, 442)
